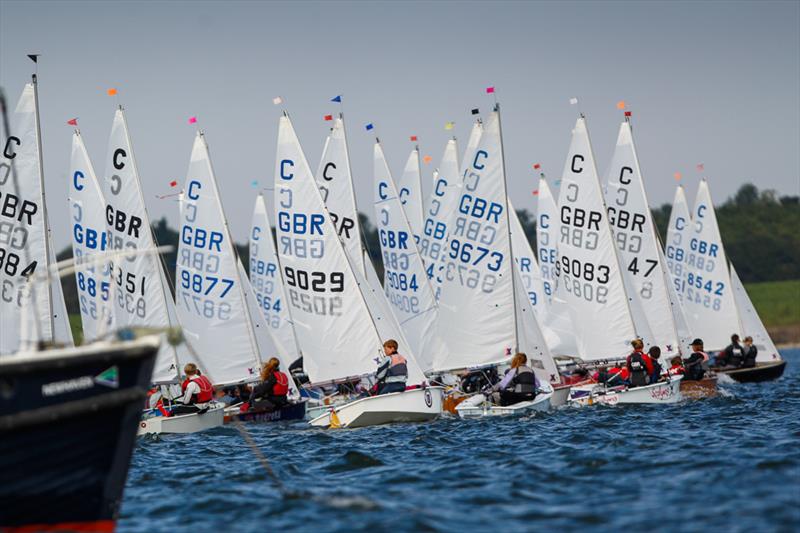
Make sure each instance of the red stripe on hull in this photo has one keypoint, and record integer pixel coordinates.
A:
(99, 526)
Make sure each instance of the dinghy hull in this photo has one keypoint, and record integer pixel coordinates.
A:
(190, 423)
(67, 432)
(484, 409)
(695, 390)
(292, 411)
(661, 392)
(757, 374)
(560, 395)
(416, 405)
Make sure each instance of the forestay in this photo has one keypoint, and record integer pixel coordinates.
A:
(405, 282)
(26, 250)
(476, 310)
(635, 236)
(89, 240)
(409, 188)
(266, 280)
(751, 322)
(706, 284)
(138, 295)
(676, 250)
(589, 275)
(208, 291)
(336, 333)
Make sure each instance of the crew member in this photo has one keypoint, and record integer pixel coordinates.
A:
(655, 355)
(639, 365)
(750, 353)
(197, 391)
(518, 385)
(694, 364)
(677, 366)
(732, 355)
(271, 393)
(392, 369)
(612, 377)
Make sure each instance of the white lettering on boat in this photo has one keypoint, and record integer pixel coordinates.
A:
(69, 385)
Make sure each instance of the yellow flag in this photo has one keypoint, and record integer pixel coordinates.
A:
(449, 125)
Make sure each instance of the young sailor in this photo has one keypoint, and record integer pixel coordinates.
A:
(392, 369)
(694, 364)
(750, 353)
(677, 366)
(639, 364)
(655, 354)
(518, 385)
(271, 393)
(612, 377)
(197, 391)
(732, 355)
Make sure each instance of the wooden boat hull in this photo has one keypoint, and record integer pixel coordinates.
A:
(292, 411)
(757, 374)
(189, 423)
(67, 431)
(661, 392)
(482, 409)
(416, 405)
(695, 390)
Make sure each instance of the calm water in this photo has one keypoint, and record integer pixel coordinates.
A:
(731, 463)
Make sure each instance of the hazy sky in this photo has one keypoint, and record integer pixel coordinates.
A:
(710, 82)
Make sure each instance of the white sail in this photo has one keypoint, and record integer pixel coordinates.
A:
(208, 291)
(26, 251)
(335, 181)
(409, 187)
(532, 340)
(476, 309)
(635, 236)
(708, 295)
(589, 274)
(677, 249)
(89, 239)
(267, 282)
(526, 263)
(751, 322)
(472, 145)
(265, 340)
(139, 297)
(556, 321)
(405, 281)
(334, 327)
(682, 328)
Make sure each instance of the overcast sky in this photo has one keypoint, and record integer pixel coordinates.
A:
(716, 83)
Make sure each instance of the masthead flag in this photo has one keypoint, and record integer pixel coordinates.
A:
(337, 98)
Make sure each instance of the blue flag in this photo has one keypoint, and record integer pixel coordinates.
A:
(369, 126)
(337, 98)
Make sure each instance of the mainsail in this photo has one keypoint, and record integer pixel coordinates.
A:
(27, 253)
(139, 296)
(335, 329)
(676, 250)
(89, 240)
(589, 274)
(751, 322)
(209, 292)
(267, 282)
(409, 188)
(707, 293)
(526, 263)
(635, 236)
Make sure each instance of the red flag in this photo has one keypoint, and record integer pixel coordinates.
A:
(536, 192)
(328, 117)
(489, 90)
(413, 138)
(73, 122)
(537, 166)
(627, 113)
(700, 167)
(173, 183)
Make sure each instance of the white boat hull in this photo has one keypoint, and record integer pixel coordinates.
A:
(189, 423)
(560, 396)
(417, 405)
(661, 392)
(480, 408)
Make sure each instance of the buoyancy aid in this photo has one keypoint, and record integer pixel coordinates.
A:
(676, 370)
(206, 393)
(398, 369)
(524, 381)
(281, 387)
(638, 369)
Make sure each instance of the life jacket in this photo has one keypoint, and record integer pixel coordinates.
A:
(206, 393)
(398, 369)
(524, 381)
(638, 369)
(750, 357)
(281, 387)
(695, 371)
(736, 357)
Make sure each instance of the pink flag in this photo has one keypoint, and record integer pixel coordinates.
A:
(489, 90)
(192, 120)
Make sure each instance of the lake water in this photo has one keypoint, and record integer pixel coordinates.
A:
(726, 464)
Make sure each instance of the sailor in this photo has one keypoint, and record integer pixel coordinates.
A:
(612, 377)
(655, 355)
(271, 393)
(197, 391)
(518, 385)
(639, 365)
(694, 364)
(750, 353)
(677, 366)
(732, 355)
(392, 369)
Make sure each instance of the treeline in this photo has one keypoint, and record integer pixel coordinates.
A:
(760, 230)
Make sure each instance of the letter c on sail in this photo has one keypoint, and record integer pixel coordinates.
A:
(77, 176)
(256, 233)
(575, 159)
(7, 151)
(544, 221)
(117, 153)
(325, 171)
(475, 164)
(403, 195)
(191, 193)
(622, 178)
(680, 223)
(286, 163)
(700, 210)
(381, 188)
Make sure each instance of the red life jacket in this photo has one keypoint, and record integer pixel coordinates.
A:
(281, 387)
(206, 393)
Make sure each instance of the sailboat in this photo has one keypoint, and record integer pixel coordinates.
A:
(590, 280)
(676, 248)
(409, 189)
(32, 313)
(484, 311)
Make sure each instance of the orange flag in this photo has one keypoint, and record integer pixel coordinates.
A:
(621, 104)
(111, 92)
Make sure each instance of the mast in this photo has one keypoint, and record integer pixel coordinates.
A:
(46, 219)
(508, 215)
(362, 236)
